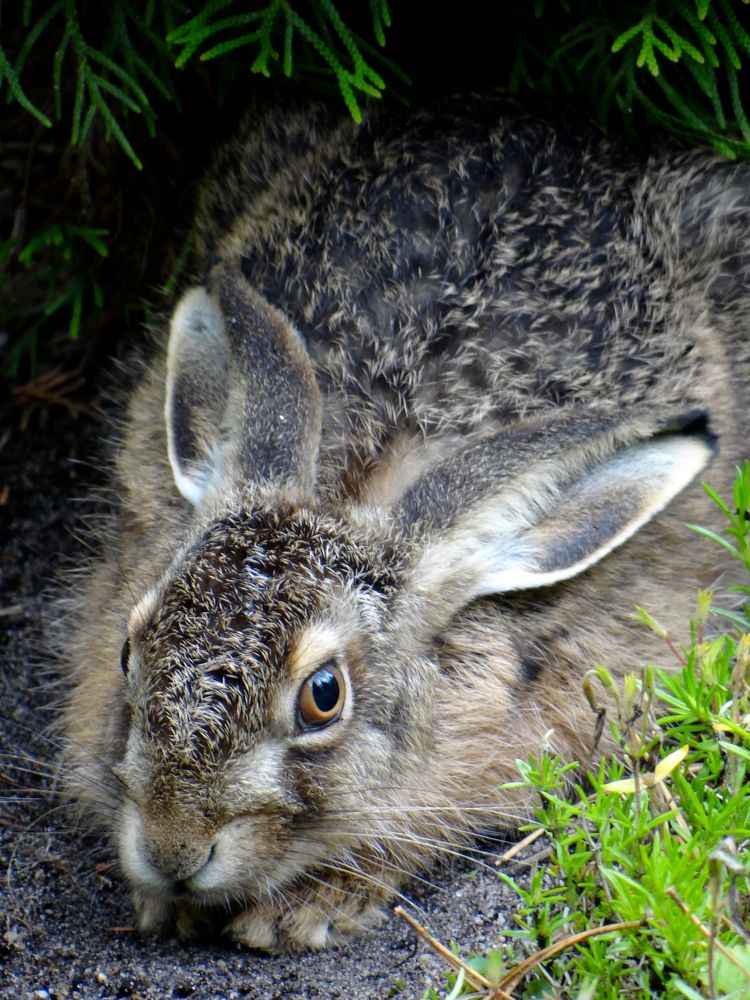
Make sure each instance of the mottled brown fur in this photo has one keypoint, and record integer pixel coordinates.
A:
(492, 315)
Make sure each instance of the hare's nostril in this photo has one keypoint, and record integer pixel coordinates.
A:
(178, 865)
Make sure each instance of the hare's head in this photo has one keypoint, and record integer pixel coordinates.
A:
(281, 675)
(249, 692)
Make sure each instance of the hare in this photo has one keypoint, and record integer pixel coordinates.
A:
(427, 427)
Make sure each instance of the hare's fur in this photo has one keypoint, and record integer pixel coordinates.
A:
(435, 412)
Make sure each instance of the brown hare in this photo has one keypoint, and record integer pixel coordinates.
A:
(426, 429)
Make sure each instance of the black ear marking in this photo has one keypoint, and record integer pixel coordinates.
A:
(695, 421)
(125, 657)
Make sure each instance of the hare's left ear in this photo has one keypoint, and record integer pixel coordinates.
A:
(526, 510)
(197, 394)
(241, 402)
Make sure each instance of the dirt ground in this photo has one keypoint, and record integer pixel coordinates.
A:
(64, 912)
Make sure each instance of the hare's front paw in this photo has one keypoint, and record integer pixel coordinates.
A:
(155, 915)
(315, 918)
(255, 928)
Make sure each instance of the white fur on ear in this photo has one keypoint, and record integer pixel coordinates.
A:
(197, 389)
(539, 530)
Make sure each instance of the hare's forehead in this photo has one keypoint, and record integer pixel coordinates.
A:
(230, 629)
(252, 570)
(209, 672)
(219, 608)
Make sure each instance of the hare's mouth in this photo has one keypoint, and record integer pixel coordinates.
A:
(206, 877)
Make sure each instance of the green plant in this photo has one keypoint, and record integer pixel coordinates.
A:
(119, 66)
(329, 45)
(117, 70)
(63, 257)
(676, 64)
(652, 849)
(124, 68)
(738, 529)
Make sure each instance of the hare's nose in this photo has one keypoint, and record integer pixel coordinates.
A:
(179, 862)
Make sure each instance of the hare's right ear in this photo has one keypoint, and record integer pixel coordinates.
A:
(242, 404)
(521, 510)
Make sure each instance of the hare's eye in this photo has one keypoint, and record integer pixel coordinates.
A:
(125, 657)
(321, 697)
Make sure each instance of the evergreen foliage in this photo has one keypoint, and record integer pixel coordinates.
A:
(280, 26)
(676, 63)
(65, 258)
(673, 64)
(121, 66)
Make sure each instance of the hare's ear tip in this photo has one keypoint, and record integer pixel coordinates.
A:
(194, 298)
(196, 329)
(690, 436)
(696, 422)
(194, 309)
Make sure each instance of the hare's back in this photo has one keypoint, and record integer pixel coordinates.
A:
(471, 264)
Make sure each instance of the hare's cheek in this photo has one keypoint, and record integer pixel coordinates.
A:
(136, 865)
(122, 720)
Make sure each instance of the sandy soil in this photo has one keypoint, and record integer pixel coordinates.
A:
(64, 912)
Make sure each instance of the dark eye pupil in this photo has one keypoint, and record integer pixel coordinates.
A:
(325, 691)
(125, 657)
